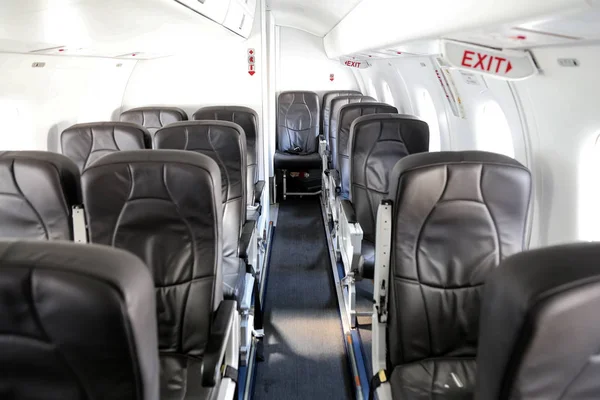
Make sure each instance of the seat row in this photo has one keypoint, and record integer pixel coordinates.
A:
(429, 229)
(90, 320)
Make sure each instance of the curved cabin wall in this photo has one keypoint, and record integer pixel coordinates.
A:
(36, 104)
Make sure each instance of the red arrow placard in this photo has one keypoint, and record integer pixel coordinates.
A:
(251, 62)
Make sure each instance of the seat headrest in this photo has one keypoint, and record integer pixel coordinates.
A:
(412, 130)
(86, 143)
(38, 190)
(246, 117)
(540, 326)
(75, 313)
(154, 118)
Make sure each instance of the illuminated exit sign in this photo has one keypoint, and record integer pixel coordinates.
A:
(506, 64)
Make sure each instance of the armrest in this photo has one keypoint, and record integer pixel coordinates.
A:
(247, 231)
(215, 349)
(348, 210)
(259, 188)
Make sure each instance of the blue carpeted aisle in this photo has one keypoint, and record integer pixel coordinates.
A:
(304, 349)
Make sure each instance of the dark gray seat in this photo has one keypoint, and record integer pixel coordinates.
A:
(86, 143)
(37, 192)
(78, 322)
(377, 142)
(298, 115)
(154, 118)
(348, 114)
(165, 207)
(334, 122)
(326, 107)
(225, 143)
(247, 118)
(540, 326)
(456, 216)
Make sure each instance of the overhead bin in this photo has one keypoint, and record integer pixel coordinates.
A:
(239, 19)
(213, 9)
(235, 15)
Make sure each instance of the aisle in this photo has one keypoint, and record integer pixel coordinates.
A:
(304, 349)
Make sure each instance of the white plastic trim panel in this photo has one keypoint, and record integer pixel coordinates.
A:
(381, 293)
(227, 388)
(79, 225)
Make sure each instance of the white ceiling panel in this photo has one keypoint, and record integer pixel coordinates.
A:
(107, 28)
(314, 16)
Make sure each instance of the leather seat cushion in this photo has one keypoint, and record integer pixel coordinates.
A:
(234, 278)
(434, 379)
(368, 252)
(297, 161)
(181, 378)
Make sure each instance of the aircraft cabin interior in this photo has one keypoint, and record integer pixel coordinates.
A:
(299, 199)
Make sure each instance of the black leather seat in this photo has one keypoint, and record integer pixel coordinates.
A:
(225, 143)
(86, 143)
(377, 142)
(77, 322)
(298, 115)
(326, 107)
(154, 118)
(37, 192)
(165, 207)
(456, 216)
(348, 114)
(540, 326)
(334, 122)
(247, 118)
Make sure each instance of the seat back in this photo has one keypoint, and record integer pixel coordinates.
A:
(165, 207)
(540, 326)
(348, 113)
(456, 216)
(78, 322)
(326, 107)
(298, 124)
(377, 142)
(86, 143)
(247, 118)
(225, 143)
(154, 118)
(334, 118)
(38, 191)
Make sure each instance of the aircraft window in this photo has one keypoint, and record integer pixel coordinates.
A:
(589, 191)
(371, 91)
(426, 111)
(493, 132)
(19, 126)
(387, 94)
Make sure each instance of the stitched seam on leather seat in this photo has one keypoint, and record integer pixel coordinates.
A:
(38, 321)
(37, 214)
(416, 256)
(412, 281)
(87, 159)
(118, 221)
(496, 231)
(193, 248)
(221, 163)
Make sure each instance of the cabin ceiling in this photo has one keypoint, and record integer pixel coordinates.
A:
(314, 16)
(105, 28)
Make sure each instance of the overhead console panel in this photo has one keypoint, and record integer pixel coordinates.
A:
(388, 23)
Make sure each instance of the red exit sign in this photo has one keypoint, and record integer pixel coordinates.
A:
(353, 64)
(507, 64)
